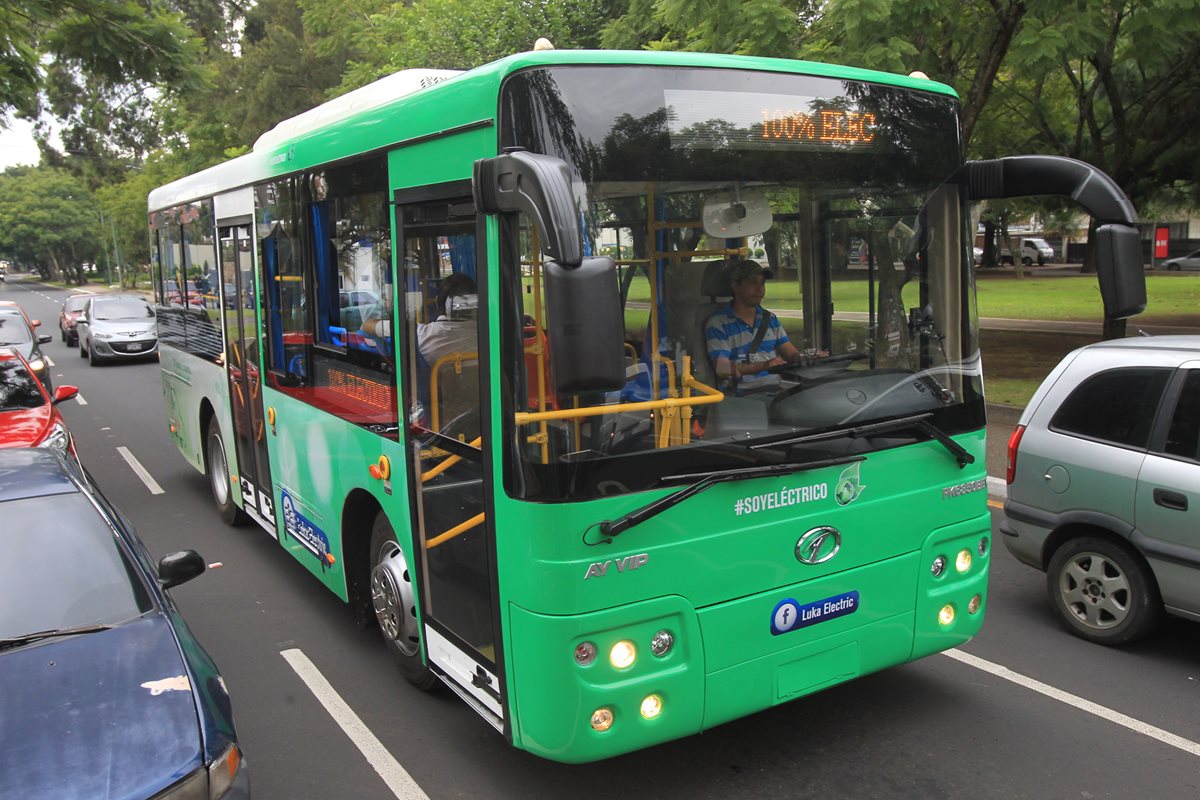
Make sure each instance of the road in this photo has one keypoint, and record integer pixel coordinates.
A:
(1012, 722)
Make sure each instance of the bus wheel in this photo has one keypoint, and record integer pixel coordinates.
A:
(218, 475)
(393, 596)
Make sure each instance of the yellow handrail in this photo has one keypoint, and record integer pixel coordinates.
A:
(711, 396)
(457, 530)
(433, 472)
(458, 359)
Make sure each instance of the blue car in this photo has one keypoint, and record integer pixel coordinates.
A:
(104, 692)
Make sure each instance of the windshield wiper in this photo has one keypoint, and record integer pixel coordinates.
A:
(918, 422)
(703, 480)
(17, 641)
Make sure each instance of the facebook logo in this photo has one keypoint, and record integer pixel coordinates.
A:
(786, 615)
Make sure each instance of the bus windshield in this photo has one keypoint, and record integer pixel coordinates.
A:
(791, 254)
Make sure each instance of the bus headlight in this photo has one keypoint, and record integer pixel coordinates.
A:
(37, 365)
(962, 562)
(946, 615)
(652, 706)
(622, 655)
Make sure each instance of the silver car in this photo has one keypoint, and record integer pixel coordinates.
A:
(1104, 486)
(117, 328)
(1190, 261)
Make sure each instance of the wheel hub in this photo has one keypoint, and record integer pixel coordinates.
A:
(392, 598)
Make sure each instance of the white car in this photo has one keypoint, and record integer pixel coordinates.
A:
(117, 328)
(1190, 261)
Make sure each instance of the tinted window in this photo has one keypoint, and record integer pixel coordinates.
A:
(1183, 438)
(120, 309)
(63, 567)
(1116, 406)
(76, 303)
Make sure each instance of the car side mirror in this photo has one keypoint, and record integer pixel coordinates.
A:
(65, 392)
(82, 318)
(45, 338)
(37, 323)
(181, 567)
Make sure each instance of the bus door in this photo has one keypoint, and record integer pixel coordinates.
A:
(244, 368)
(444, 397)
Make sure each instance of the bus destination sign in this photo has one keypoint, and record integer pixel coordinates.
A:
(719, 120)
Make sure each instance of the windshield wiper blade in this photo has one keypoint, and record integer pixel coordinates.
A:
(17, 641)
(703, 480)
(918, 422)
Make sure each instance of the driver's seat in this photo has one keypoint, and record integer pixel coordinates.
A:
(715, 286)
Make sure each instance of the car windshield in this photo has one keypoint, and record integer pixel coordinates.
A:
(13, 329)
(75, 303)
(827, 209)
(122, 309)
(63, 567)
(18, 388)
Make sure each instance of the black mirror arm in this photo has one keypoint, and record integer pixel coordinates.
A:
(540, 186)
(1024, 176)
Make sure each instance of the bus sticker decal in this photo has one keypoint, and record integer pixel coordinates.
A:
(848, 486)
(789, 615)
(300, 528)
(780, 498)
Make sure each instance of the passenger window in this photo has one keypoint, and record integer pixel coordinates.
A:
(1183, 437)
(1117, 406)
(281, 232)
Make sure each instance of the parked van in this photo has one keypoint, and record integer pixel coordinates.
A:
(1036, 251)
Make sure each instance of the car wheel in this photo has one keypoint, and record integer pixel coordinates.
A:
(1027, 261)
(91, 356)
(1103, 591)
(394, 600)
(82, 350)
(218, 475)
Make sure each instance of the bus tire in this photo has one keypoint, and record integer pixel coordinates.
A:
(394, 600)
(217, 467)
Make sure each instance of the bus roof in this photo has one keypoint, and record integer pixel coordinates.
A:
(366, 119)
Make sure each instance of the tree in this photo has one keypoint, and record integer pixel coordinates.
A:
(48, 220)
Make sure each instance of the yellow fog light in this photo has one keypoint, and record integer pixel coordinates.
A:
(652, 706)
(973, 606)
(623, 654)
(962, 562)
(946, 615)
(602, 719)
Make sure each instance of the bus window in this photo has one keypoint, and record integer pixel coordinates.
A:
(280, 243)
(353, 357)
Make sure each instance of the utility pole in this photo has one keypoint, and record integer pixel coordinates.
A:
(117, 251)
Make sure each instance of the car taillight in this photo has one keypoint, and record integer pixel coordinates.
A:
(1014, 442)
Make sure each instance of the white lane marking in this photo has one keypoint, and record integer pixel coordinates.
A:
(1137, 726)
(49, 361)
(394, 775)
(82, 402)
(141, 472)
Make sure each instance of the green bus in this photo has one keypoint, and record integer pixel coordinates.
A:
(457, 342)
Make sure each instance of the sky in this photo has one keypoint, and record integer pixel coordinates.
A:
(17, 145)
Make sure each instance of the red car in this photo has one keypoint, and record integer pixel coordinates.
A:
(28, 416)
(66, 318)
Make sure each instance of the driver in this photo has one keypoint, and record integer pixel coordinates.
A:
(743, 339)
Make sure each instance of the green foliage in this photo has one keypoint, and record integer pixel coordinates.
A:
(55, 234)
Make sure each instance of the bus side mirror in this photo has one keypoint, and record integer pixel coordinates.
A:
(587, 348)
(1117, 246)
(1119, 269)
(541, 187)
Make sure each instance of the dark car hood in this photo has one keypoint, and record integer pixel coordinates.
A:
(81, 718)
